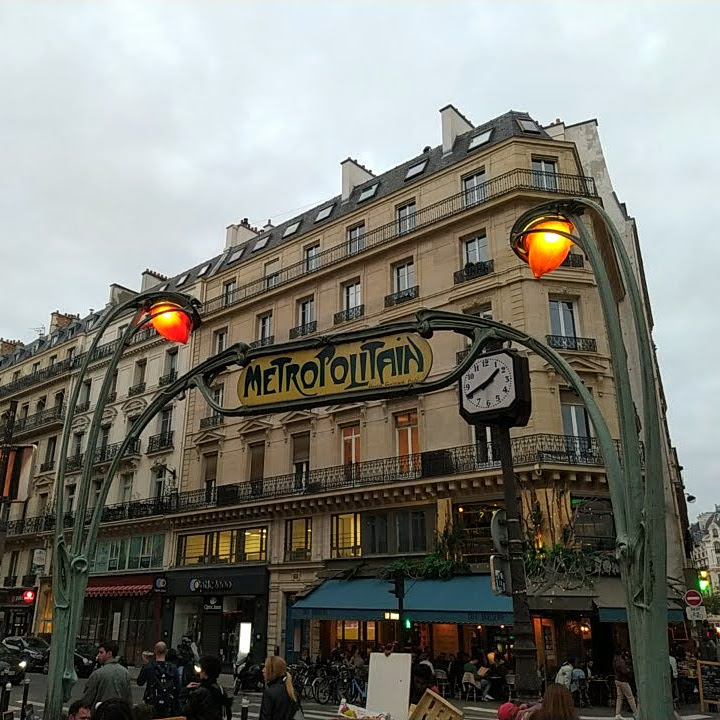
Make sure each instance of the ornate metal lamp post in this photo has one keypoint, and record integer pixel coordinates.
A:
(542, 237)
(173, 316)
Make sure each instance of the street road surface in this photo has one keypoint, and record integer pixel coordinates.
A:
(313, 711)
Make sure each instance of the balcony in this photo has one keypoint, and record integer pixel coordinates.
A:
(301, 330)
(9, 580)
(565, 342)
(512, 181)
(104, 350)
(42, 419)
(573, 260)
(47, 466)
(112, 396)
(82, 406)
(349, 314)
(161, 442)
(263, 342)
(40, 376)
(211, 421)
(473, 270)
(138, 389)
(74, 462)
(29, 580)
(402, 296)
(107, 453)
(168, 378)
(297, 555)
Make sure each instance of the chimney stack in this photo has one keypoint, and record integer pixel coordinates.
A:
(150, 278)
(61, 320)
(240, 233)
(454, 123)
(267, 226)
(8, 347)
(353, 174)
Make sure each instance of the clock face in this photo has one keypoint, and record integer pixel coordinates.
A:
(489, 384)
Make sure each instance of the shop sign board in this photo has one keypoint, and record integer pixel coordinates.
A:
(348, 367)
(211, 583)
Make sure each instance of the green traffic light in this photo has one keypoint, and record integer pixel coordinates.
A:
(408, 623)
(703, 585)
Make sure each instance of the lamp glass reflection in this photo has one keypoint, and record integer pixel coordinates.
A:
(546, 249)
(171, 322)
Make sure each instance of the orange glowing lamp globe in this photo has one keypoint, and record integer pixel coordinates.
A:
(171, 322)
(546, 250)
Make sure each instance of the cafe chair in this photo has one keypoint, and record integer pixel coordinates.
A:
(441, 677)
(469, 687)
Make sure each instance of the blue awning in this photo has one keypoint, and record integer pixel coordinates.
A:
(619, 615)
(464, 599)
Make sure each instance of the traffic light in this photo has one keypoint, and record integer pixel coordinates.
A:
(398, 588)
(408, 623)
(703, 581)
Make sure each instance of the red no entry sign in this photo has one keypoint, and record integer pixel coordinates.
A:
(693, 598)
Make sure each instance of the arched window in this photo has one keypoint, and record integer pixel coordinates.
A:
(714, 532)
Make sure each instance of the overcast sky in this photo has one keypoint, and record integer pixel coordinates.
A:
(132, 133)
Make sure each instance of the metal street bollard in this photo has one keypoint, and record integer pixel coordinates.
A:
(245, 709)
(3, 691)
(23, 707)
(6, 698)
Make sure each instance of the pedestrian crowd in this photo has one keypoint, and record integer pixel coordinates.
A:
(177, 683)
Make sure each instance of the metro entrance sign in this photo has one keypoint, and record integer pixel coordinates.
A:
(693, 598)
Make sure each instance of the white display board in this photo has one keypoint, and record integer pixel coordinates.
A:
(389, 684)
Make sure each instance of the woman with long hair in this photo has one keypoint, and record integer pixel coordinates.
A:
(557, 704)
(278, 701)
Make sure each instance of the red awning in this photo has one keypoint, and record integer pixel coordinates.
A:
(117, 590)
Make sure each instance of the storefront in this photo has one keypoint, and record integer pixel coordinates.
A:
(124, 608)
(446, 615)
(223, 609)
(16, 612)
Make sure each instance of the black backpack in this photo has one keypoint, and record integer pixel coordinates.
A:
(162, 689)
(225, 700)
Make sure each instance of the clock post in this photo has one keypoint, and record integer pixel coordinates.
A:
(495, 391)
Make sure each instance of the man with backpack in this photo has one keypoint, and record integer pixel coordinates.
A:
(163, 684)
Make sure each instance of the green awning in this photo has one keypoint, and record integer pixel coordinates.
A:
(465, 599)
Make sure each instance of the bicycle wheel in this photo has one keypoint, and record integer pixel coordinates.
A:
(324, 691)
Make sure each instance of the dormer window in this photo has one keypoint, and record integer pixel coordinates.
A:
(291, 229)
(529, 126)
(203, 270)
(479, 139)
(415, 170)
(235, 255)
(324, 213)
(182, 280)
(368, 192)
(261, 243)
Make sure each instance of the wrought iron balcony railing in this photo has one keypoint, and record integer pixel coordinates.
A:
(9, 580)
(43, 418)
(82, 407)
(29, 580)
(211, 421)
(564, 342)
(263, 342)
(574, 260)
(300, 330)
(402, 296)
(519, 179)
(106, 453)
(47, 466)
(168, 378)
(466, 459)
(349, 314)
(112, 396)
(473, 270)
(160, 442)
(74, 462)
(136, 389)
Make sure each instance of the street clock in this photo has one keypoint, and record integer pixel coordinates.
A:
(495, 390)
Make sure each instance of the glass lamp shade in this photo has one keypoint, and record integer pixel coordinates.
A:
(546, 250)
(171, 322)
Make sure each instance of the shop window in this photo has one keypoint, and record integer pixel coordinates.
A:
(412, 531)
(254, 544)
(474, 519)
(375, 534)
(298, 537)
(593, 523)
(345, 536)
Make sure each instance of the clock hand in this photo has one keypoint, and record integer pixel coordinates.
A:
(485, 383)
